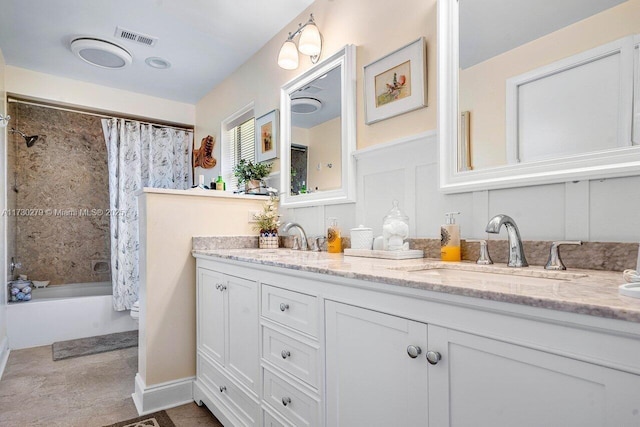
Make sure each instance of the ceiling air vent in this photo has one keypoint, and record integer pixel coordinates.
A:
(133, 36)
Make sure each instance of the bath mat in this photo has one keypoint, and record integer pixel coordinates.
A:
(157, 419)
(94, 345)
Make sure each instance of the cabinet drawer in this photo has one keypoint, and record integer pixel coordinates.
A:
(293, 309)
(221, 387)
(271, 420)
(297, 407)
(291, 355)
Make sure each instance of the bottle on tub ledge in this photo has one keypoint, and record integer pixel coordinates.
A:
(450, 238)
(334, 238)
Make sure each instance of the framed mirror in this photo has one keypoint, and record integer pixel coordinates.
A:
(537, 91)
(318, 133)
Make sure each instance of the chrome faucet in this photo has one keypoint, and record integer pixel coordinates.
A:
(304, 246)
(516, 250)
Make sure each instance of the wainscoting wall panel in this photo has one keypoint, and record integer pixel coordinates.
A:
(407, 170)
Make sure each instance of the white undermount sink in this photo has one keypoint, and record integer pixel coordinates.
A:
(446, 269)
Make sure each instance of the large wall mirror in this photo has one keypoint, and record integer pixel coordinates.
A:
(537, 91)
(318, 133)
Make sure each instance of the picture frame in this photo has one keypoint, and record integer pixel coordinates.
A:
(396, 83)
(267, 136)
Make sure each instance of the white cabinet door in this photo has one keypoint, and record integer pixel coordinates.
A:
(371, 379)
(243, 357)
(228, 327)
(211, 315)
(486, 382)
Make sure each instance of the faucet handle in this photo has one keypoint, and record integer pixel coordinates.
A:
(296, 243)
(317, 246)
(484, 258)
(555, 262)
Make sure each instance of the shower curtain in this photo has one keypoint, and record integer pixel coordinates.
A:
(139, 155)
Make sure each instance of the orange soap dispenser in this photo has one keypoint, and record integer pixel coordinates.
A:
(334, 238)
(450, 238)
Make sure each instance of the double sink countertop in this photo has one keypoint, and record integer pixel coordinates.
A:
(590, 292)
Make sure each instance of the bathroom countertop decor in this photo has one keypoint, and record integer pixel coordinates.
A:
(588, 292)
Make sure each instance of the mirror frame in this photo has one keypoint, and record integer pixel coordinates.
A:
(613, 163)
(345, 58)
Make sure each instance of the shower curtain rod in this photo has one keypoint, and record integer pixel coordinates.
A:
(91, 113)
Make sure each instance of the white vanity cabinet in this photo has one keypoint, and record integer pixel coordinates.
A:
(295, 348)
(371, 379)
(228, 369)
(486, 382)
(386, 370)
(291, 353)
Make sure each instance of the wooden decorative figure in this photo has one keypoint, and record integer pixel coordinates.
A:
(203, 156)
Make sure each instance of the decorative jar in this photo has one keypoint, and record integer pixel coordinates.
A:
(268, 240)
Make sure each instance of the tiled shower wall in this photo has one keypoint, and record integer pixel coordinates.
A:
(54, 231)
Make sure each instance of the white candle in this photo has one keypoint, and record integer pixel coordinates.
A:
(201, 180)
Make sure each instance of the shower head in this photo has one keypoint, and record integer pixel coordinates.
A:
(30, 140)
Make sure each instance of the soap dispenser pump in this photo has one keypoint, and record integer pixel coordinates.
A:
(450, 238)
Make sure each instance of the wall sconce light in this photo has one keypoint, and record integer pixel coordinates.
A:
(310, 43)
(4, 120)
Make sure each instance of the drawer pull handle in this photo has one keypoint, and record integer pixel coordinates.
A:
(286, 401)
(413, 351)
(223, 388)
(285, 354)
(433, 357)
(284, 307)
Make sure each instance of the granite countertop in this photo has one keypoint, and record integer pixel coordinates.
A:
(588, 292)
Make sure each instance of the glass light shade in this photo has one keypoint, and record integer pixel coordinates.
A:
(310, 43)
(288, 56)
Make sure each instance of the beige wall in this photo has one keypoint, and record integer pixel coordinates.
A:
(3, 242)
(32, 84)
(376, 27)
(325, 148)
(168, 275)
(483, 88)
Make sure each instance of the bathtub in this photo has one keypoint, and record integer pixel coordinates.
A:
(65, 312)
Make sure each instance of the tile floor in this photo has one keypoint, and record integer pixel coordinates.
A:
(84, 392)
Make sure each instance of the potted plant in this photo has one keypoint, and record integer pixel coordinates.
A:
(251, 174)
(267, 223)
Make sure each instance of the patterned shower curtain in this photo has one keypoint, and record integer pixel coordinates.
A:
(140, 155)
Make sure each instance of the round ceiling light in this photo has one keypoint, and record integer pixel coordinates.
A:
(101, 53)
(305, 105)
(156, 62)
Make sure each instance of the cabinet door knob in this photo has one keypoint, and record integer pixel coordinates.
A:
(284, 306)
(223, 288)
(286, 401)
(223, 388)
(433, 357)
(218, 286)
(285, 354)
(413, 351)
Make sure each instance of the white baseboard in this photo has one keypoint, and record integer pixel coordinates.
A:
(162, 396)
(4, 354)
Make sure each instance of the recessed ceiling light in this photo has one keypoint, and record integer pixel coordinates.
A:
(101, 53)
(158, 63)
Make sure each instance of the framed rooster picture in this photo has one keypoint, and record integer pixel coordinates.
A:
(396, 83)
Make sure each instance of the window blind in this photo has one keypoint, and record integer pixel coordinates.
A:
(239, 143)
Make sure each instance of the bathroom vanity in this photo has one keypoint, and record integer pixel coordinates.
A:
(292, 338)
